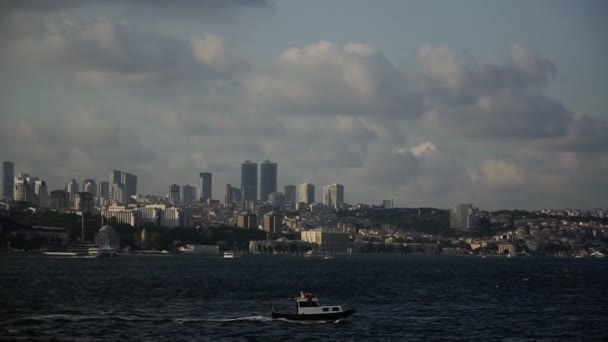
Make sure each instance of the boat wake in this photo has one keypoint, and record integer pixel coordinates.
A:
(256, 318)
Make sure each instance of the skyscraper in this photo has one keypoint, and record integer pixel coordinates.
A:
(188, 194)
(7, 181)
(333, 195)
(249, 181)
(104, 190)
(42, 193)
(268, 179)
(174, 194)
(22, 192)
(290, 195)
(306, 193)
(204, 184)
(72, 188)
(90, 186)
(130, 182)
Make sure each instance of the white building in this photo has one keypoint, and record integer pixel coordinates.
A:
(306, 193)
(463, 216)
(333, 195)
(327, 241)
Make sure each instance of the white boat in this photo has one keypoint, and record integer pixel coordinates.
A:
(315, 254)
(308, 308)
(232, 255)
(104, 252)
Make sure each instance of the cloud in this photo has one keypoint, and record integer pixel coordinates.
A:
(496, 173)
(141, 5)
(326, 79)
(104, 52)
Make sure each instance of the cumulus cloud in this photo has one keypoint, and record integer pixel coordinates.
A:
(102, 51)
(496, 173)
(327, 79)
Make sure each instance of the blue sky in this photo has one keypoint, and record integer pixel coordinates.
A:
(500, 103)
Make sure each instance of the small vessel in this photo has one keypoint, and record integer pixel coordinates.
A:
(232, 255)
(104, 252)
(308, 308)
(315, 254)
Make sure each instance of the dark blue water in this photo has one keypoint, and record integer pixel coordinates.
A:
(397, 298)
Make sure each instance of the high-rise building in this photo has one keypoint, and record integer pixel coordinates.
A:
(463, 216)
(43, 194)
(204, 186)
(333, 195)
(247, 221)
(22, 192)
(387, 204)
(90, 186)
(60, 200)
(115, 177)
(7, 180)
(72, 188)
(272, 222)
(174, 194)
(130, 182)
(188, 194)
(104, 190)
(277, 200)
(249, 181)
(306, 193)
(84, 201)
(268, 179)
(118, 194)
(290, 196)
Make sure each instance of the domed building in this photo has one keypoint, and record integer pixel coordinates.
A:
(107, 237)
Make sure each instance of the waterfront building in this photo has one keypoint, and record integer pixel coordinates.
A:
(204, 184)
(249, 181)
(327, 241)
(59, 200)
(333, 195)
(188, 195)
(306, 193)
(174, 196)
(290, 196)
(268, 179)
(7, 180)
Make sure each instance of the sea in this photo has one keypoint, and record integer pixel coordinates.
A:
(397, 298)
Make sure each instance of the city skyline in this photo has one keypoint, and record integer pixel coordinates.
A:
(401, 100)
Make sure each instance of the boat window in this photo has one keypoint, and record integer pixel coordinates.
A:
(325, 309)
(335, 309)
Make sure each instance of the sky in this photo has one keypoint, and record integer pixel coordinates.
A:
(431, 103)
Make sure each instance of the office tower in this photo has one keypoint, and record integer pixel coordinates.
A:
(7, 181)
(118, 194)
(333, 195)
(228, 198)
(129, 180)
(84, 201)
(277, 200)
(60, 200)
(104, 190)
(22, 192)
(306, 193)
(115, 177)
(42, 192)
(463, 216)
(188, 194)
(174, 194)
(290, 196)
(204, 184)
(90, 186)
(249, 181)
(387, 204)
(268, 179)
(72, 188)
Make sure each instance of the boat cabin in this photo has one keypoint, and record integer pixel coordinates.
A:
(308, 304)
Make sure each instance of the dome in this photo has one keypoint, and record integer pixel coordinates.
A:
(107, 237)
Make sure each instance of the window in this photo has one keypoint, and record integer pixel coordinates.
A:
(335, 309)
(325, 309)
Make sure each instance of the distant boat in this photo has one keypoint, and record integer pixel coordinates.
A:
(315, 254)
(232, 255)
(104, 252)
(309, 309)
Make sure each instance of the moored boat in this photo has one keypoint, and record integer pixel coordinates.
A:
(308, 308)
(232, 255)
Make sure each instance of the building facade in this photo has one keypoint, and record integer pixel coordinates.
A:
(249, 181)
(7, 180)
(268, 179)
(188, 195)
(205, 186)
(333, 195)
(306, 193)
(290, 196)
(463, 216)
(174, 194)
(90, 186)
(60, 200)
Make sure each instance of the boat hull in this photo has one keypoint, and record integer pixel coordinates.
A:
(332, 316)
